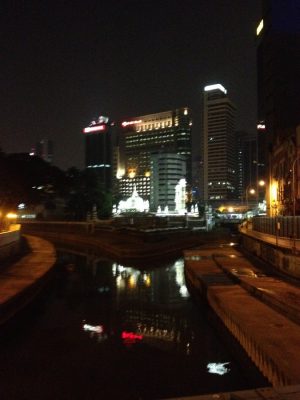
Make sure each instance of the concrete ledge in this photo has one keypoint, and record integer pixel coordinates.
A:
(270, 339)
(275, 393)
(273, 344)
(10, 242)
(22, 281)
(279, 257)
(124, 247)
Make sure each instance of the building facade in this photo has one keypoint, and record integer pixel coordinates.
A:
(98, 149)
(218, 146)
(166, 171)
(278, 66)
(159, 133)
(140, 183)
(248, 168)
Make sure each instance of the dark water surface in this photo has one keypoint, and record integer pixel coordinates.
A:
(102, 330)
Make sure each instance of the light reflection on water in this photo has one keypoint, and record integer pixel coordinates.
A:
(146, 301)
(150, 310)
(115, 331)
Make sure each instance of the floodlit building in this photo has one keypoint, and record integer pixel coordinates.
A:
(141, 183)
(218, 146)
(160, 133)
(166, 171)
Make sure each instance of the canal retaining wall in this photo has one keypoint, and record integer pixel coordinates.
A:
(281, 259)
(25, 277)
(10, 242)
(123, 244)
(270, 339)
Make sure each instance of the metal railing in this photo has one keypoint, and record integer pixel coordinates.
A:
(287, 227)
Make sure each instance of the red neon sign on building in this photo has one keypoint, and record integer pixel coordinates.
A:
(95, 128)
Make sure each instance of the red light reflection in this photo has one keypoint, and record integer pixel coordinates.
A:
(130, 337)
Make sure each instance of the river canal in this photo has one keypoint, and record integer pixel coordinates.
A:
(102, 330)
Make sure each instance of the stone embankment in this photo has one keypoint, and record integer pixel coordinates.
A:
(10, 242)
(22, 281)
(278, 393)
(261, 312)
(122, 244)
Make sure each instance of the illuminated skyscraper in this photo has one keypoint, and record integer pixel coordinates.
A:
(98, 149)
(160, 133)
(218, 146)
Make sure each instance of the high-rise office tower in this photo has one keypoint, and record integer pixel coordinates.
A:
(164, 132)
(247, 164)
(278, 66)
(278, 62)
(218, 146)
(98, 149)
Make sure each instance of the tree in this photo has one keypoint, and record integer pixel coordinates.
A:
(86, 192)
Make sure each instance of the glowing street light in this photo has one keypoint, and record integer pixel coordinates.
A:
(251, 191)
(11, 215)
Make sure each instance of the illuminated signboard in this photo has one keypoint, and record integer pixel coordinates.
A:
(215, 87)
(261, 127)
(93, 328)
(126, 123)
(94, 128)
(259, 27)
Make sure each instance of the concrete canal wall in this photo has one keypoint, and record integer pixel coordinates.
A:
(26, 277)
(280, 258)
(10, 242)
(121, 243)
(270, 339)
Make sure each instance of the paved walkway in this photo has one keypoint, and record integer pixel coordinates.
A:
(282, 242)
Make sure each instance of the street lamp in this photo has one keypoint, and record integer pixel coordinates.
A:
(249, 191)
(261, 183)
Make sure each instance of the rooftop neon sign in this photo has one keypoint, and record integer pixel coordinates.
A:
(95, 128)
(126, 123)
(216, 86)
(261, 127)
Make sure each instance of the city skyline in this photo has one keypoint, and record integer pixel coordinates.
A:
(77, 62)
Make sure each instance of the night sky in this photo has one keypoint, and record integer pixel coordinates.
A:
(65, 62)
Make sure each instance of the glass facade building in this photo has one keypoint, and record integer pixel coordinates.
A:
(98, 149)
(218, 145)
